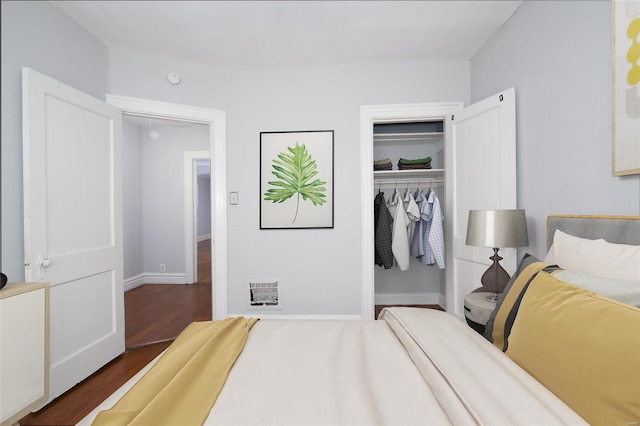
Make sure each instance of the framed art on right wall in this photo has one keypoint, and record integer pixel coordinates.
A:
(626, 87)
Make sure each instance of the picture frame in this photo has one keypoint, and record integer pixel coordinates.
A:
(625, 120)
(296, 179)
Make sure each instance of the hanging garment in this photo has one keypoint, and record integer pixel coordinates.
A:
(417, 245)
(382, 222)
(434, 234)
(400, 239)
(413, 213)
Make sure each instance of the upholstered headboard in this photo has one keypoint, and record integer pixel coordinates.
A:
(614, 229)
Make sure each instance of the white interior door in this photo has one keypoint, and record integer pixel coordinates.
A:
(480, 151)
(73, 223)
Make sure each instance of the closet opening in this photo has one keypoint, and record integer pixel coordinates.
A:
(408, 213)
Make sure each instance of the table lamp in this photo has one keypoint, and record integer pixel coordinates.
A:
(496, 229)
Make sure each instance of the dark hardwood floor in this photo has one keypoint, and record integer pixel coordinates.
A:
(154, 316)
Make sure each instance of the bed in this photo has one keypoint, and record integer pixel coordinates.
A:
(554, 352)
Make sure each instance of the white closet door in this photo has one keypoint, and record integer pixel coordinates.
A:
(480, 169)
(73, 223)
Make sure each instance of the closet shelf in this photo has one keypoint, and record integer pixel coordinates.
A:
(385, 175)
(407, 137)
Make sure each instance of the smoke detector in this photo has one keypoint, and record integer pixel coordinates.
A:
(173, 77)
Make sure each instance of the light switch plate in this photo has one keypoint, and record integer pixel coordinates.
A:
(233, 198)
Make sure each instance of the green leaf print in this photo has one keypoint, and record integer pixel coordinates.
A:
(295, 171)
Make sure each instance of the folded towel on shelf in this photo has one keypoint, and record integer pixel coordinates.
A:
(407, 162)
(414, 166)
(388, 167)
(382, 162)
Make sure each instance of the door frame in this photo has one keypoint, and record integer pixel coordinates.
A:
(191, 213)
(217, 122)
(370, 115)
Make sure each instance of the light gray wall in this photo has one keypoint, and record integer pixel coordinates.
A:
(319, 269)
(132, 219)
(163, 194)
(558, 57)
(204, 206)
(37, 35)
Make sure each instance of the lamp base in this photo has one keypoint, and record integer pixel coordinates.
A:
(495, 279)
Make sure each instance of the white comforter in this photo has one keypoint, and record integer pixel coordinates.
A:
(415, 366)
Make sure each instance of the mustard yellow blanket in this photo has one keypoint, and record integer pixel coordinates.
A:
(185, 382)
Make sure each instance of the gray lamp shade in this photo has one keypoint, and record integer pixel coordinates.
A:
(497, 228)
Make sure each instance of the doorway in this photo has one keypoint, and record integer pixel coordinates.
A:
(197, 208)
(160, 214)
(216, 121)
(202, 216)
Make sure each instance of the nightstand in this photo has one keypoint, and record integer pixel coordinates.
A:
(477, 308)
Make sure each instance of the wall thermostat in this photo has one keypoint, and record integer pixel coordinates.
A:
(174, 78)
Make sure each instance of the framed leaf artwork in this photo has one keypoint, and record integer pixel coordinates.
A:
(296, 179)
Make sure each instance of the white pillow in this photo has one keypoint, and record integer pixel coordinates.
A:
(597, 257)
(621, 290)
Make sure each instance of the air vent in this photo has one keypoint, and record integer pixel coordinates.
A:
(264, 295)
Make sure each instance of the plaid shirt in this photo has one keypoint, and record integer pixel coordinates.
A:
(434, 235)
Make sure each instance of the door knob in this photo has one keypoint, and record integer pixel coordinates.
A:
(42, 263)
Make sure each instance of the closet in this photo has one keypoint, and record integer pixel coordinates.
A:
(473, 154)
(420, 284)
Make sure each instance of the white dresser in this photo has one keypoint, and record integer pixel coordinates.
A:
(24, 349)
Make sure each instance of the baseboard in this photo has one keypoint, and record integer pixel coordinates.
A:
(204, 237)
(133, 282)
(153, 278)
(442, 301)
(408, 299)
(164, 278)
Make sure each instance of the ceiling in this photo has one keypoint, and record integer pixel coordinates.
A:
(243, 34)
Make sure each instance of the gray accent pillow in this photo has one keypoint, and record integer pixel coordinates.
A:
(527, 260)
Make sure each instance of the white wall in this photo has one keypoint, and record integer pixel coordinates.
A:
(558, 57)
(36, 34)
(318, 269)
(132, 199)
(204, 207)
(163, 199)
(556, 54)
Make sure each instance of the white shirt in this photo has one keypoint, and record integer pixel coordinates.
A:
(400, 238)
(413, 213)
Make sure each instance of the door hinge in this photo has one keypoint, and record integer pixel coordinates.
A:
(452, 117)
(501, 98)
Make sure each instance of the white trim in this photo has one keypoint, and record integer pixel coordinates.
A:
(299, 317)
(204, 237)
(369, 115)
(217, 122)
(408, 299)
(190, 212)
(164, 278)
(154, 278)
(133, 282)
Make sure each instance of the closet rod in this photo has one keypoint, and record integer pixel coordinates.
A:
(407, 182)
